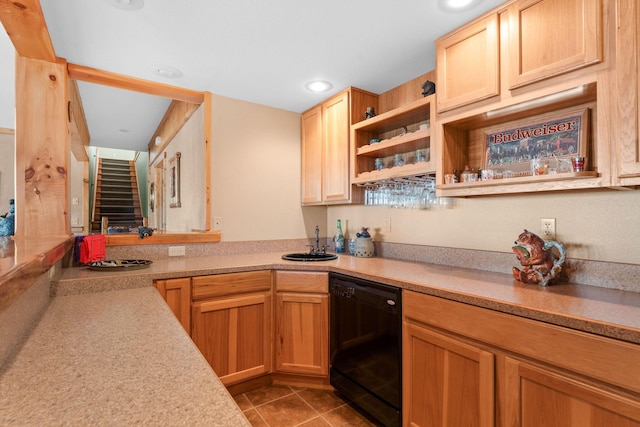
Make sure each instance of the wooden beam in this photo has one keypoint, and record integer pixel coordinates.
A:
(42, 149)
(178, 113)
(24, 22)
(158, 238)
(107, 78)
(79, 130)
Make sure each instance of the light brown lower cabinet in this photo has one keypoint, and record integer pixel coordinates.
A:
(302, 323)
(470, 366)
(447, 382)
(231, 323)
(539, 396)
(177, 294)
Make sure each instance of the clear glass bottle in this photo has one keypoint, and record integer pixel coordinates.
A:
(339, 238)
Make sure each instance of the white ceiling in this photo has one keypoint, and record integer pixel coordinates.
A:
(254, 50)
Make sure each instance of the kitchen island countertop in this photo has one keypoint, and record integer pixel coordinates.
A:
(112, 358)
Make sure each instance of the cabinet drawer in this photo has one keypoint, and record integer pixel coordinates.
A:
(230, 284)
(302, 281)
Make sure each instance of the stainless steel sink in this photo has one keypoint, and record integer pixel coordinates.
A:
(306, 257)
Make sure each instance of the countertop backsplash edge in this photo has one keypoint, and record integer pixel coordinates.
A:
(603, 274)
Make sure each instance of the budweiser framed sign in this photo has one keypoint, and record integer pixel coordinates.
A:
(552, 139)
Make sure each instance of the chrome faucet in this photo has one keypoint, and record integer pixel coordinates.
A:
(316, 249)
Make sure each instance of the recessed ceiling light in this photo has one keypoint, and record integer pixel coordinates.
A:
(457, 5)
(127, 4)
(167, 72)
(318, 86)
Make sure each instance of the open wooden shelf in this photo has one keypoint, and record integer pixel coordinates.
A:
(407, 119)
(522, 184)
(414, 112)
(421, 168)
(464, 143)
(388, 147)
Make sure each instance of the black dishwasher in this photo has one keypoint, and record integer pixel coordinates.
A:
(366, 343)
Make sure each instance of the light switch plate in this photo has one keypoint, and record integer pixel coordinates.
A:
(217, 223)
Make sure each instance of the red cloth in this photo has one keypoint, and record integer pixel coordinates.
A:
(93, 248)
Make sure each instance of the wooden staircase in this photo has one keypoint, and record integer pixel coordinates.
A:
(116, 195)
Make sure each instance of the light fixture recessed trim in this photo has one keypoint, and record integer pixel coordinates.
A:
(127, 4)
(318, 86)
(457, 6)
(167, 72)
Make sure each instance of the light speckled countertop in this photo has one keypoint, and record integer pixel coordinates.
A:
(606, 312)
(108, 351)
(112, 358)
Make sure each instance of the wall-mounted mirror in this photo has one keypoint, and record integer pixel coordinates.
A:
(7, 121)
(137, 122)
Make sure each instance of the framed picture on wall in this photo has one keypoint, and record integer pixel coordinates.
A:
(174, 181)
(557, 137)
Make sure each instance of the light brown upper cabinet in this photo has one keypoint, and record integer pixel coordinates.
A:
(555, 59)
(628, 91)
(325, 148)
(468, 64)
(312, 156)
(335, 127)
(550, 37)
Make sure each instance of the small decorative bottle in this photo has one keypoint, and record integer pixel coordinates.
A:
(339, 238)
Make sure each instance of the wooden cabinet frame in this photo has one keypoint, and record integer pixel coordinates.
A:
(302, 323)
(231, 323)
(471, 82)
(177, 294)
(445, 381)
(545, 374)
(533, 390)
(327, 161)
(550, 37)
(583, 70)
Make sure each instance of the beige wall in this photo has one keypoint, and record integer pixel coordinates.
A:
(255, 173)
(7, 187)
(596, 225)
(256, 190)
(189, 141)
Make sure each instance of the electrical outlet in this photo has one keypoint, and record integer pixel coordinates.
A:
(548, 228)
(387, 225)
(176, 251)
(217, 223)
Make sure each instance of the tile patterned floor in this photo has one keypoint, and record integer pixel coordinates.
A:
(284, 406)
